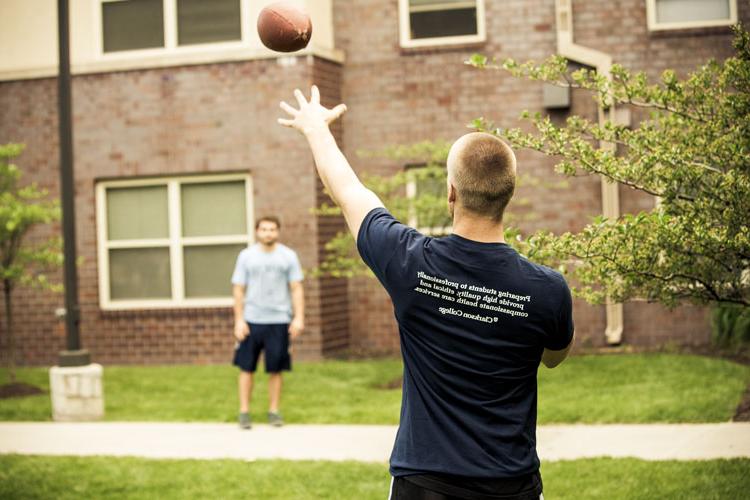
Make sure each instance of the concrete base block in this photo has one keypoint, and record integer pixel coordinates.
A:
(77, 393)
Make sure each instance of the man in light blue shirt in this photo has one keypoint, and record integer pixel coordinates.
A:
(269, 308)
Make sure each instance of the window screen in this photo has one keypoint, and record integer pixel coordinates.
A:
(202, 21)
(132, 25)
(213, 209)
(446, 18)
(679, 11)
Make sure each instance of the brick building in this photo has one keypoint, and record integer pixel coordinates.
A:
(177, 149)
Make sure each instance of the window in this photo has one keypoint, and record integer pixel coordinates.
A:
(441, 22)
(171, 242)
(129, 25)
(681, 14)
(426, 193)
(132, 24)
(199, 21)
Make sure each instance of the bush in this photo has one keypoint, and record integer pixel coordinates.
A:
(731, 326)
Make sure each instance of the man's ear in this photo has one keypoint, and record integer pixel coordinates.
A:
(451, 193)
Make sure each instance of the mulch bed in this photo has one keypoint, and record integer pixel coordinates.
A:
(19, 390)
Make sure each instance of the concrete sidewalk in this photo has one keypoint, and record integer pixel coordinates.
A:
(370, 443)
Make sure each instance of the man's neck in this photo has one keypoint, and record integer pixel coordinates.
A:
(478, 229)
(268, 248)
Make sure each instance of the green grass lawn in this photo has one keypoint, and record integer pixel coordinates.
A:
(32, 477)
(584, 389)
(641, 388)
(327, 392)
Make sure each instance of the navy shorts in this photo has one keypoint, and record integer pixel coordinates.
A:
(446, 487)
(273, 340)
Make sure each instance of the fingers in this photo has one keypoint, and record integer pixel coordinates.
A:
(285, 122)
(283, 105)
(315, 95)
(300, 98)
(336, 112)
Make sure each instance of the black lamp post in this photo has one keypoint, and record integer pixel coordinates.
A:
(74, 354)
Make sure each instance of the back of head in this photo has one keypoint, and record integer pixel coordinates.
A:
(482, 168)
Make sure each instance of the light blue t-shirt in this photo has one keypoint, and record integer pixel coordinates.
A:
(267, 276)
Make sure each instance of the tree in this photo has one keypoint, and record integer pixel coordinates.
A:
(22, 262)
(692, 152)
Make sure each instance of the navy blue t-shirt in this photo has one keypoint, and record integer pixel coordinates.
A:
(474, 319)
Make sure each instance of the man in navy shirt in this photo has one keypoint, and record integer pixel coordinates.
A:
(475, 320)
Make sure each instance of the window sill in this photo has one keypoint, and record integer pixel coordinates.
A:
(166, 307)
(157, 58)
(439, 47)
(690, 31)
(173, 312)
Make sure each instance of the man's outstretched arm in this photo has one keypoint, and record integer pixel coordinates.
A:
(312, 119)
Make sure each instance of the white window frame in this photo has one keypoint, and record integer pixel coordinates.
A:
(411, 193)
(654, 25)
(171, 46)
(175, 242)
(405, 27)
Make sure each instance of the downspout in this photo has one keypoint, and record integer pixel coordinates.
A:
(610, 196)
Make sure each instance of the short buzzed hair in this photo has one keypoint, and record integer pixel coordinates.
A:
(483, 170)
(268, 218)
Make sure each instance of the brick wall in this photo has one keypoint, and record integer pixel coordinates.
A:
(221, 118)
(334, 291)
(402, 96)
(185, 120)
(30, 116)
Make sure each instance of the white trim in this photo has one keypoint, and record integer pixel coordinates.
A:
(170, 24)
(129, 305)
(250, 213)
(182, 56)
(654, 25)
(405, 27)
(246, 24)
(175, 242)
(442, 6)
(155, 243)
(98, 31)
(101, 238)
(411, 192)
(198, 241)
(166, 52)
(181, 179)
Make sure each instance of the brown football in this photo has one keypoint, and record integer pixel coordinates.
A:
(284, 28)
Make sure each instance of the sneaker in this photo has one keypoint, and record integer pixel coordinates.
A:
(274, 419)
(245, 421)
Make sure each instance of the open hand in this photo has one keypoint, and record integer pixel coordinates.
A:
(311, 115)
